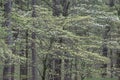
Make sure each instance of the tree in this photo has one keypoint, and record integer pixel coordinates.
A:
(33, 44)
(59, 39)
(8, 69)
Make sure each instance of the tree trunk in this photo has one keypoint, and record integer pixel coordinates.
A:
(62, 69)
(56, 7)
(45, 66)
(33, 45)
(118, 64)
(105, 50)
(8, 70)
(60, 6)
(104, 66)
(111, 3)
(65, 5)
(24, 66)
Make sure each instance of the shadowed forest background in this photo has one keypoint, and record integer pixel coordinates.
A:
(59, 39)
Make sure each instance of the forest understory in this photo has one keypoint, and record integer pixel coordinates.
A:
(59, 39)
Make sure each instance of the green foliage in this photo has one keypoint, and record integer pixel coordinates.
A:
(79, 35)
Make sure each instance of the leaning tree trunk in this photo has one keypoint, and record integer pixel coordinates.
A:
(8, 70)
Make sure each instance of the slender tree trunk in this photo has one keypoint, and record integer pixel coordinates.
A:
(65, 5)
(33, 45)
(118, 64)
(56, 7)
(45, 66)
(111, 63)
(67, 68)
(118, 57)
(76, 69)
(105, 50)
(7, 67)
(60, 6)
(62, 69)
(24, 66)
(34, 71)
(104, 66)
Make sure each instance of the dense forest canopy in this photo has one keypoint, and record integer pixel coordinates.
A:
(59, 39)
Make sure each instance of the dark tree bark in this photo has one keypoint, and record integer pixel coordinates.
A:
(104, 66)
(76, 69)
(111, 63)
(7, 70)
(111, 3)
(24, 66)
(60, 6)
(56, 8)
(67, 67)
(45, 66)
(118, 64)
(105, 49)
(65, 5)
(33, 44)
